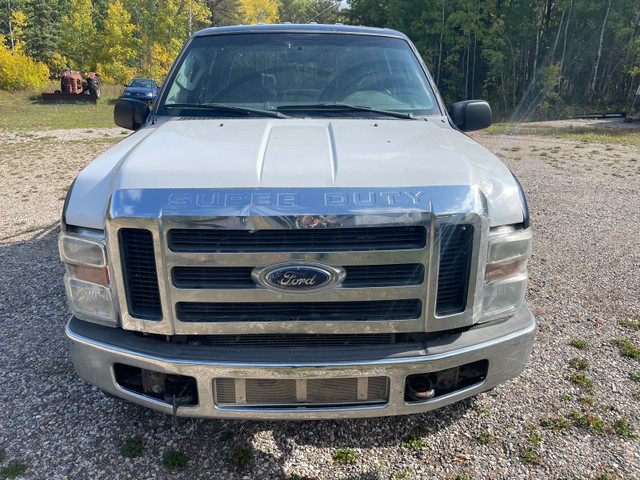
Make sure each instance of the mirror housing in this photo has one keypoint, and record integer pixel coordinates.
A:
(130, 114)
(471, 115)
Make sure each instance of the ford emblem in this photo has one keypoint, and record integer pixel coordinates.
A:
(295, 277)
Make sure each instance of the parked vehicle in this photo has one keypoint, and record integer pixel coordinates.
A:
(144, 89)
(298, 229)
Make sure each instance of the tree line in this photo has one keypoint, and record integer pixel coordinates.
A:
(539, 58)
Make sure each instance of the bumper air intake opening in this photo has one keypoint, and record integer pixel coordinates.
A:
(426, 386)
(157, 385)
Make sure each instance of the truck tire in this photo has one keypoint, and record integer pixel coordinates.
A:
(94, 86)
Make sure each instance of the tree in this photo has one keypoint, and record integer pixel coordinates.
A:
(257, 11)
(78, 35)
(118, 45)
(42, 31)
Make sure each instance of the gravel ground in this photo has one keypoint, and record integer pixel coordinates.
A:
(584, 200)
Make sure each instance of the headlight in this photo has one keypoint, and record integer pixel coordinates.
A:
(127, 94)
(87, 278)
(506, 274)
(148, 94)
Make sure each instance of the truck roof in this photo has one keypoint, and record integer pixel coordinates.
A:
(301, 28)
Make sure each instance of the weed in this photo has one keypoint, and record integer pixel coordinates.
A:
(484, 438)
(345, 456)
(635, 376)
(581, 380)
(625, 322)
(517, 158)
(623, 428)
(132, 448)
(579, 344)
(590, 421)
(241, 457)
(636, 395)
(462, 476)
(13, 469)
(402, 474)
(482, 409)
(557, 424)
(174, 460)
(565, 398)
(19, 223)
(627, 349)
(619, 175)
(226, 436)
(588, 400)
(534, 437)
(529, 455)
(579, 363)
(415, 442)
(543, 154)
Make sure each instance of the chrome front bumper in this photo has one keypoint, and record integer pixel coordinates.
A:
(506, 345)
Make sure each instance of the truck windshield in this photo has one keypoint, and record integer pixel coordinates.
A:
(300, 73)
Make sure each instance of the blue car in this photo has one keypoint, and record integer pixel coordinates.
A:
(144, 89)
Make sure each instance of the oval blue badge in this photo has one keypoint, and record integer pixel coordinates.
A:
(299, 278)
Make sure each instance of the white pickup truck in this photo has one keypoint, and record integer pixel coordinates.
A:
(298, 229)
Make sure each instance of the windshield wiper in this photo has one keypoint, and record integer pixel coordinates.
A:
(346, 106)
(228, 108)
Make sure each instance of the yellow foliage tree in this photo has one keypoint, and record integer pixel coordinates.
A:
(256, 11)
(18, 24)
(119, 45)
(78, 34)
(20, 72)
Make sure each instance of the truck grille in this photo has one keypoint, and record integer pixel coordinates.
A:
(456, 246)
(287, 393)
(307, 240)
(140, 277)
(302, 311)
(357, 276)
(209, 287)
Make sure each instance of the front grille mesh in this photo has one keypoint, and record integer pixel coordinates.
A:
(140, 277)
(304, 392)
(299, 311)
(411, 237)
(359, 276)
(456, 246)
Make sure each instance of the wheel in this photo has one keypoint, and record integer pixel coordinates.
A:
(94, 86)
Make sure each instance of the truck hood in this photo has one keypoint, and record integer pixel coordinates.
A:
(197, 153)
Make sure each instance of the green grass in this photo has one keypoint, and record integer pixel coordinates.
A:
(14, 469)
(590, 421)
(174, 460)
(624, 428)
(241, 457)
(132, 448)
(345, 456)
(25, 111)
(581, 134)
(579, 344)
(579, 363)
(581, 380)
(625, 322)
(529, 455)
(627, 349)
(557, 424)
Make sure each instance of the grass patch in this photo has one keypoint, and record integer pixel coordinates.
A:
(484, 438)
(557, 424)
(625, 322)
(529, 455)
(623, 428)
(174, 460)
(241, 457)
(579, 363)
(580, 134)
(13, 469)
(580, 379)
(23, 111)
(627, 349)
(132, 448)
(345, 456)
(579, 344)
(589, 421)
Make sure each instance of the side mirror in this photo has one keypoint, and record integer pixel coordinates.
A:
(130, 114)
(471, 115)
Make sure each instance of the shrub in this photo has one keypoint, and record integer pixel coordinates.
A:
(20, 72)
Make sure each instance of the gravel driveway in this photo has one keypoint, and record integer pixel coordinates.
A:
(585, 284)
